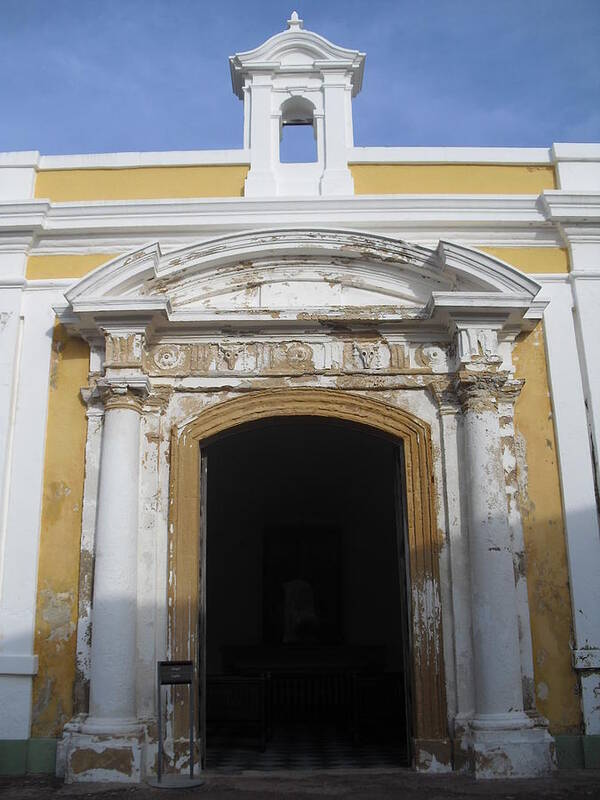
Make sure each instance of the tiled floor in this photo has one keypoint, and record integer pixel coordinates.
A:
(305, 748)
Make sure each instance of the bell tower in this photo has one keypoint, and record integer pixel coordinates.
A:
(298, 78)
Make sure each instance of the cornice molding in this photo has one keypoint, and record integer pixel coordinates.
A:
(571, 207)
(88, 226)
(502, 220)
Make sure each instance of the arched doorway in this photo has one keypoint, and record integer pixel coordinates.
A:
(306, 646)
(187, 551)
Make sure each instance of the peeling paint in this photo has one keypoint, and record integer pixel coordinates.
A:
(57, 595)
(539, 500)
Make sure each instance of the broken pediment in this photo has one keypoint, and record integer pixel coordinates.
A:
(296, 271)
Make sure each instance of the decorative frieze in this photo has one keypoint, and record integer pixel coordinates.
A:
(294, 357)
(478, 346)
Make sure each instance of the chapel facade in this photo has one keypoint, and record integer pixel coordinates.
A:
(329, 431)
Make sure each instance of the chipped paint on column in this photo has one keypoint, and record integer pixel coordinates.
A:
(459, 579)
(94, 414)
(151, 540)
(442, 490)
(510, 445)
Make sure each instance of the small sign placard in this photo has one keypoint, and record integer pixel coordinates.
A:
(175, 672)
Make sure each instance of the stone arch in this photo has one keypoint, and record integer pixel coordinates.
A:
(429, 723)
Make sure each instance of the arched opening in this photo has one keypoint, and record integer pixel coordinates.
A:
(298, 133)
(187, 540)
(307, 645)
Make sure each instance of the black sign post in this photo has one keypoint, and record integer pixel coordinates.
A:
(172, 673)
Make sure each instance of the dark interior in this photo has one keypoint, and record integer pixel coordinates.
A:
(304, 624)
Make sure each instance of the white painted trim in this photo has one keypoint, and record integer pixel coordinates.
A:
(356, 155)
(18, 665)
(174, 158)
(577, 484)
(571, 151)
(550, 277)
(230, 210)
(563, 206)
(12, 282)
(49, 283)
(21, 545)
(449, 155)
(20, 158)
(121, 226)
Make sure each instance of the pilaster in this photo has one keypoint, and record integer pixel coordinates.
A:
(573, 336)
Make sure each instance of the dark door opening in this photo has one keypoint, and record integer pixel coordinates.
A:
(306, 629)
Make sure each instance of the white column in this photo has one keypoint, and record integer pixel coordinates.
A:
(505, 740)
(113, 656)
(498, 690)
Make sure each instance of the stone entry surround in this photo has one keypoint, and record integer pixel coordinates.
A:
(407, 340)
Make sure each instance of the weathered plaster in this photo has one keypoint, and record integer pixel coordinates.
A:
(544, 534)
(58, 567)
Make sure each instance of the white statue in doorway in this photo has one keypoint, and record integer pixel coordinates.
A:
(301, 622)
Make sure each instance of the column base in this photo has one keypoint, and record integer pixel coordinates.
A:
(502, 748)
(89, 751)
(433, 755)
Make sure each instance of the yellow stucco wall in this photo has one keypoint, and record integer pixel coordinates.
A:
(65, 266)
(451, 178)
(227, 180)
(141, 183)
(556, 687)
(533, 259)
(58, 565)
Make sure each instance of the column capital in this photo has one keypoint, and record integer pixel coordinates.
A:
(129, 393)
(479, 390)
(158, 399)
(93, 401)
(510, 391)
(445, 396)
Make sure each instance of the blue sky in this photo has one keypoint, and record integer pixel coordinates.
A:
(86, 76)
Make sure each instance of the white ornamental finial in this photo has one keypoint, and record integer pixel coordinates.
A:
(294, 23)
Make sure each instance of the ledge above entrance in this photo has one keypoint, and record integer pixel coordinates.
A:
(302, 279)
